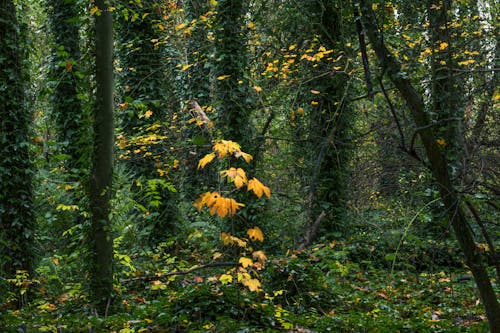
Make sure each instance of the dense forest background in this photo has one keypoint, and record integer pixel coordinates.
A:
(249, 166)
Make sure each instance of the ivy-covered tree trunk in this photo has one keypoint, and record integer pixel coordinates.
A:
(17, 222)
(101, 271)
(196, 95)
(439, 165)
(64, 22)
(329, 125)
(146, 95)
(233, 96)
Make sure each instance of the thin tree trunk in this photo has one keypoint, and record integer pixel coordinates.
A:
(101, 273)
(438, 165)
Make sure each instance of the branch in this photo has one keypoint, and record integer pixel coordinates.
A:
(364, 56)
(494, 256)
(393, 112)
(187, 271)
(311, 232)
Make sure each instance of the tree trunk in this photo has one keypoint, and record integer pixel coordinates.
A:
(438, 164)
(233, 96)
(17, 221)
(101, 274)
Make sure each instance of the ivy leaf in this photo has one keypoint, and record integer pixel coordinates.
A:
(258, 188)
(255, 234)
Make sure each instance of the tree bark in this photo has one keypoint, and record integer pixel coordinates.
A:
(17, 220)
(101, 273)
(438, 165)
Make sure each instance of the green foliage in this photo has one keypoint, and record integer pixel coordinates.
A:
(17, 222)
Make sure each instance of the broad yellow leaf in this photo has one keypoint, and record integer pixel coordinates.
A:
(255, 234)
(258, 188)
(226, 278)
(229, 240)
(205, 160)
(257, 88)
(245, 262)
(224, 147)
(246, 157)
(260, 256)
(237, 175)
(202, 200)
(252, 284)
(148, 114)
(315, 92)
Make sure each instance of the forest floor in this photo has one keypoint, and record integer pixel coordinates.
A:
(317, 290)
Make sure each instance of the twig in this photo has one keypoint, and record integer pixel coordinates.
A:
(187, 271)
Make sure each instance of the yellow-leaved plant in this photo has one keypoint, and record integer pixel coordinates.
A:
(250, 261)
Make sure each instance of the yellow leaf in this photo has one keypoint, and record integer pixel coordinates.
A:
(180, 26)
(260, 256)
(246, 157)
(94, 10)
(205, 160)
(226, 278)
(441, 142)
(252, 284)
(148, 114)
(300, 111)
(315, 92)
(224, 147)
(314, 103)
(257, 88)
(186, 66)
(258, 188)
(255, 234)
(245, 262)
(238, 176)
(234, 206)
(217, 255)
(251, 25)
(202, 200)
(229, 240)
(223, 77)
(443, 45)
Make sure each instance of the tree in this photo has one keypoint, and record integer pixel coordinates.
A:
(329, 120)
(71, 121)
(146, 104)
(438, 163)
(17, 221)
(101, 271)
(233, 96)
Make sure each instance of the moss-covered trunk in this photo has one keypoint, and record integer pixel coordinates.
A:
(101, 273)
